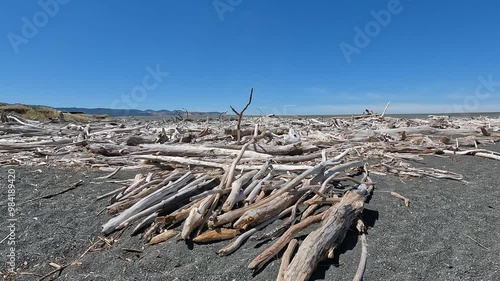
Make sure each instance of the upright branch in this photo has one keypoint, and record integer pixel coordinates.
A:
(221, 116)
(240, 115)
(187, 112)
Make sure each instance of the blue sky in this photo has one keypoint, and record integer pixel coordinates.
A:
(428, 57)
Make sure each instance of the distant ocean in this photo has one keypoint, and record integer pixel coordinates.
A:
(423, 116)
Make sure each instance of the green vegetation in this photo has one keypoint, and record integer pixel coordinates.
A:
(44, 113)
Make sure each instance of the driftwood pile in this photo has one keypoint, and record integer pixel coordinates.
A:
(218, 179)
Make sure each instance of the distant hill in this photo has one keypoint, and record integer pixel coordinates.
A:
(129, 112)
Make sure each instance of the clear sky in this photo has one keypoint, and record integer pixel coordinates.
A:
(301, 57)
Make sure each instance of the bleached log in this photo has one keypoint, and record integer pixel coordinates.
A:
(116, 130)
(166, 203)
(219, 234)
(194, 162)
(364, 251)
(476, 152)
(108, 149)
(5, 146)
(22, 122)
(266, 211)
(162, 237)
(145, 203)
(185, 150)
(336, 222)
(291, 149)
(232, 247)
(196, 216)
(256, 190)
(145, 222)
(231, 171)
(232, 215)
(363, 135)
(274, 249)
(285, 260)
(236, 186)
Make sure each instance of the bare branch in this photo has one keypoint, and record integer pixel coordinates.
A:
(240, 115)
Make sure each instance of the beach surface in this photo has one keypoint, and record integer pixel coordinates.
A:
(450, 231)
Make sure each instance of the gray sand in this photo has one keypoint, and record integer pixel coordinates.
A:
(431, 240)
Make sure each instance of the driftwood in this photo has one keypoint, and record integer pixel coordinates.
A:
(283, 241)
(219, 234)
(206, 183)
(240, 114)
(145, 203)
(195, 151)
(336, 222)
(162, 237)
(285, 260)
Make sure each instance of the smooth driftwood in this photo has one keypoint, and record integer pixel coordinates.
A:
(336, 222)
(179, 215)
(232, 247)
(289, 149)
(108, 149)
(264, 212)
(162, 237)
(257, 189)
(231, 171)
(234, 214)
(194, 162)
(144, 203)
(36, 144)
(285, 260)
(236, 187)
(274, 249)
(185, 150)
(167, 203)
(116, 130)
(364, 251)
(219, 234)
(196, 216)
(425, 130)
(476, 152)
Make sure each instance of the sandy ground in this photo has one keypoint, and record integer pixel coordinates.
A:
(450, 232)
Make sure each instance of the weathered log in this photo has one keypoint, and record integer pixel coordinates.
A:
(108, 149)
(363, 135)
(285, 260)
(274, 249)
(232, 247)
(184, 150)
(236, 191)
(162, 237)
(219, 234)
(194, 162)
(197, 216)
(290, 149)
(336, 222)
(168, 203)
(233, 215)
(364, 251)
(266, 211)
(116, 130)
(145, 203)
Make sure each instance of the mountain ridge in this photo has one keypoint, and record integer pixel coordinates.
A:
(111, 112)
